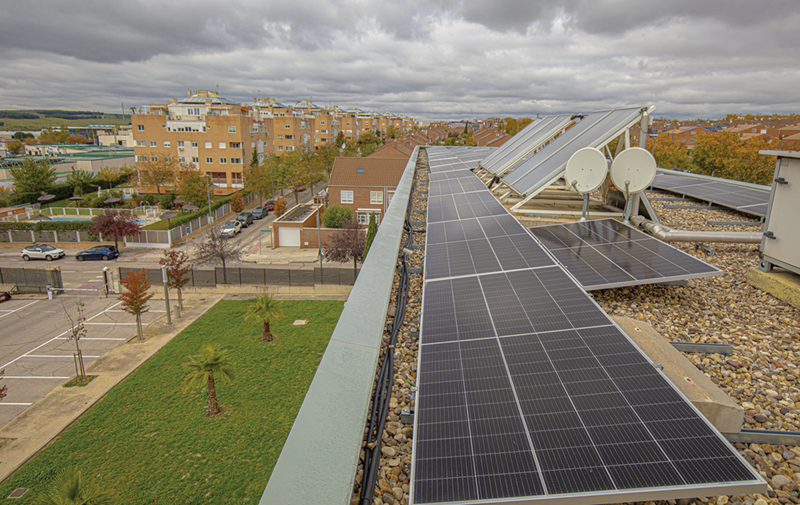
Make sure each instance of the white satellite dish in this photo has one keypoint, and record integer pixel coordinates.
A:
(586, 170)
(632, 171)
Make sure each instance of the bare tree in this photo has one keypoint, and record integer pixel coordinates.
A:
(347, 244)
(218, 249)
(77, 332)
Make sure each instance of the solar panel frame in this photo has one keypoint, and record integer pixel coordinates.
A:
(531, 138)
(548, 164)
(605, 254)
(751, 199)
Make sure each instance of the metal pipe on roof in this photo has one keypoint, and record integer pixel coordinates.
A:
(668, 234)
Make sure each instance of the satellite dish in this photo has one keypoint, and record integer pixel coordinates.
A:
(586, 170)
(633, 170)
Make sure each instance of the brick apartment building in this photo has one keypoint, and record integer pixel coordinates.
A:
(218, 136)
(365, 185)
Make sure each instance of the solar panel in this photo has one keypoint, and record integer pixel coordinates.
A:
(548, 164)
(528, 391)
(607, 254)
(751, 199)
(532, 137)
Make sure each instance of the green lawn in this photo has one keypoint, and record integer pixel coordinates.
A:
(149, 441)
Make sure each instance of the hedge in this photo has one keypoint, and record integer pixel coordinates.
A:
(47, 226)
(63, 191)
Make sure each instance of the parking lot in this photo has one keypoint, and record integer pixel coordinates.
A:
(35, 352)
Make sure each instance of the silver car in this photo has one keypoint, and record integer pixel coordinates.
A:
(42, 252)
(230, 228)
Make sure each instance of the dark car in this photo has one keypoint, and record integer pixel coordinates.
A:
(245, 218)
(260, 212)
(101, 252)
(270, 205)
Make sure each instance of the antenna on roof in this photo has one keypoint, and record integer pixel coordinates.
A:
(632, 171)
(585, 172)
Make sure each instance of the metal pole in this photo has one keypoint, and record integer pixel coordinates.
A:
(166, 292)
(208, 196)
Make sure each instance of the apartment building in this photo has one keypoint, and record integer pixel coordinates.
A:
(218, 136)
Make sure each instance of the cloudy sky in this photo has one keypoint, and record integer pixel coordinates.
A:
(432, 59)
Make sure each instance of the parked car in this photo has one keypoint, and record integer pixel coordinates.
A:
(230, 228)
(299, 189)
(42, 252)
(260, 212)
(270, 205)
(101, 252)
(245, 219)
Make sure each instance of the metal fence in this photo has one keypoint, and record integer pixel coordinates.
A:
(27, 280)
(258, 276)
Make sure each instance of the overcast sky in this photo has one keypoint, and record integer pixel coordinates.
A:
(431, 59)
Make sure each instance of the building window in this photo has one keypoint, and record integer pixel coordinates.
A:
(290, 148)
(140, 127)
(376, 197)
(223, 161)
(280, 137)
(182, 159)
(280, 148)
(389, 195)
(237, 161)
(140, 143)
(348, 123)
(154, 158)
(208, 145)
(323, 131)
(231, 129)
(141, 158)
(252, 145)
(166, 143)
(194, 144)
(346, 196)
(322, 122)
(222, 145)
(195, 159)
(289, 137)
(167, 158)
(362, 217)
(209, 160)
(236, 145)
(287, 126)
(153, 143)
(180, 143)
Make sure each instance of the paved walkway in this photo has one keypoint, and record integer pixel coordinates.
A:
(39, 424)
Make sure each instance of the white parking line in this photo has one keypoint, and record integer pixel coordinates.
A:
(26, 305)
(15, 404)
(54, 356)
(162, 311)
(34, 377)
(110, 324)
(98, 338)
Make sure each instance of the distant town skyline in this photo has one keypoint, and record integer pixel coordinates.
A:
(442, 60)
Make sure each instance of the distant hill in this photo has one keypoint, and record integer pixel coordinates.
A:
(36, 119)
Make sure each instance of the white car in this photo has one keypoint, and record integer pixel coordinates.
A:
(230, 228)
(42, 252)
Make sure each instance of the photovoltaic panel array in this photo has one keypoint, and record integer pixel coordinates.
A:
(608, 254)
(524, 143)
(447, 159)
(529, 392)
(751, 200)
(548, 164)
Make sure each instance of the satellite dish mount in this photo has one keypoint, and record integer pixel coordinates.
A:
(585, 172)
(633, 171)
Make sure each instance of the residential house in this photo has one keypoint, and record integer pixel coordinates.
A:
(365, 185)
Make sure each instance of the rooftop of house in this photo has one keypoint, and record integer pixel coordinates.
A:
(373, 172)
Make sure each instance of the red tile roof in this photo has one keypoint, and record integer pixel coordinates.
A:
(377, 172)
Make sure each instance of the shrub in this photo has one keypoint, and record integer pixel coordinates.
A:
(280, 206)
(336, 215)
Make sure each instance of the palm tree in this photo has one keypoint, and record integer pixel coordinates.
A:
(264, 308)
(203, 368)
(70, 487)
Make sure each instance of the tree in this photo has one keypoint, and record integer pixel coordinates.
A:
(204, 368)
(372, 229)
(336, 215)
(254, 159)
(23, 136)
(219, 249)
(347, 244)
(670, 154)
(115, 223)
(280, 206)
(193, 189)
(77, 138)
(258, 179)
(109, 175)
(264, 309)
(15, 147)
(78, 178)
(51, 136)
(33, 176)
(70, 486)
(237, 205)
(77, 332)
(178, 269)
(161, 172)
(135, 297)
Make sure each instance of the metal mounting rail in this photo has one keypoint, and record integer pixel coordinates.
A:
(711, 348)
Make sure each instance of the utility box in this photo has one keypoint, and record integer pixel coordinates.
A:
(780, 245)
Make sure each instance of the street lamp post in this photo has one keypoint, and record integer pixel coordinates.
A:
(208, 196)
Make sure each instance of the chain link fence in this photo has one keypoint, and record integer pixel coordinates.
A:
(258, 276)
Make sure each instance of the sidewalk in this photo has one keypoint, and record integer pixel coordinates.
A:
(29, 432)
